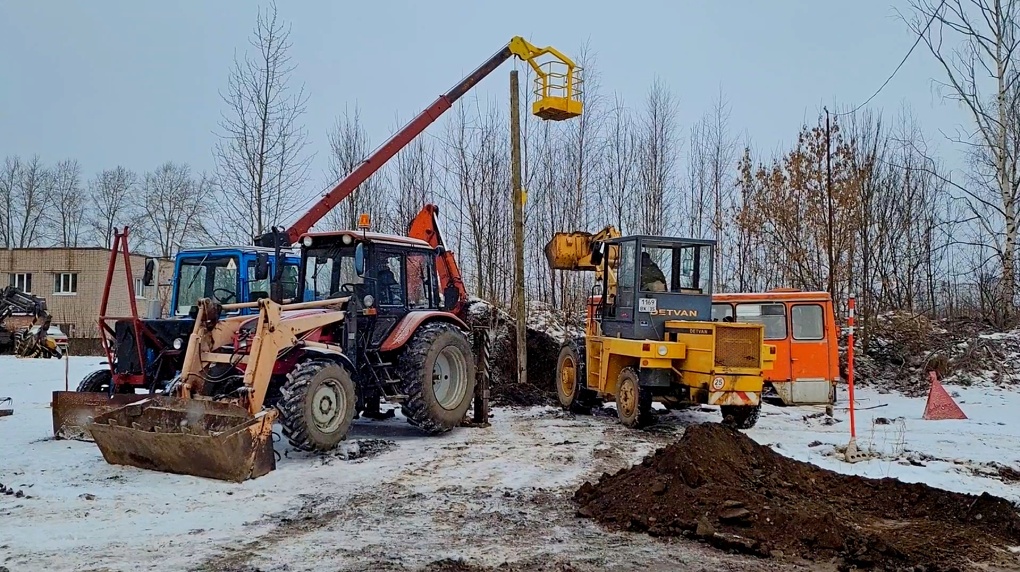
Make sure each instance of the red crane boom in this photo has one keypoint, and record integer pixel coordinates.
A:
(557, 99)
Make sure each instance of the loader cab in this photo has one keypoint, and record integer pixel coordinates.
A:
(387, 276)
(657, 279)
(229, 275)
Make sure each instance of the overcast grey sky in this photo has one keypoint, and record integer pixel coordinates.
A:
(136, 83)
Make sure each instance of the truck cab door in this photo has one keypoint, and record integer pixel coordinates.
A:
(809, 354)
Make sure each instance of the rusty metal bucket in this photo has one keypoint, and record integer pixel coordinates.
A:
(195, 437)
(72, 411)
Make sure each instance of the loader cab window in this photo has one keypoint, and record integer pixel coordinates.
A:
(261, 288)
(625, 276)
(207, 277)
(327, 269)
(684, 269)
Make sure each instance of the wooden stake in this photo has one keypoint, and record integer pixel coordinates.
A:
(518, 193)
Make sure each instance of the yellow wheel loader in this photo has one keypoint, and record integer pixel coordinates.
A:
(649, 335)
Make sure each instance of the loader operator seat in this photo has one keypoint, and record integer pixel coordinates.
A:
(652, 278)
(389, 288)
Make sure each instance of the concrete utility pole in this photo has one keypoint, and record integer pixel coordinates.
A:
(518, 192)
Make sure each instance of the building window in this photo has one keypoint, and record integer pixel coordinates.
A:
(65, 283)
(139, 288)
(22, 281)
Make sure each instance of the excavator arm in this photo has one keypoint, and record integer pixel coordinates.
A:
(425, 226)
(583, 251)
(557, 98)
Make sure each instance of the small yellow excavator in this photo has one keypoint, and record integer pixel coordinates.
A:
(649, 335)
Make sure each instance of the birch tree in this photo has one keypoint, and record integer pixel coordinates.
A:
(975, 43)
(173, 201)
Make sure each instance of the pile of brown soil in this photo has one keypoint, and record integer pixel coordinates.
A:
(719, 485)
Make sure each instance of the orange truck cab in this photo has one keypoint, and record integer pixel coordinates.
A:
(802, 327)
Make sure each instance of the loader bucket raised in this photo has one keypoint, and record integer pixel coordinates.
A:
(189, 437)
(73, 411)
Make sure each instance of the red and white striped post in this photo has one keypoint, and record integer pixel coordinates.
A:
(850, 362)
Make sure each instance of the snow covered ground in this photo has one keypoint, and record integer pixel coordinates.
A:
(487, 495)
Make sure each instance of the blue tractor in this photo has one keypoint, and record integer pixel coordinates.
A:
(146, 352)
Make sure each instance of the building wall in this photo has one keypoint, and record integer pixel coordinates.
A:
(77, 312)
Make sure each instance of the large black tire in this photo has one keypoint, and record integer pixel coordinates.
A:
(317, 405)
(572, 378)
(633, 403)
(438, 352)
(743, 417)
(96, 382)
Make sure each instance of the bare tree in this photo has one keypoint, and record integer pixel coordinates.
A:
(70, 204)
(658, 153)
(28, 201)
(10, 178)
(349, 146)
(618, 178)
(261, 159)
(111, 192)
(981, 74)
(172, 202)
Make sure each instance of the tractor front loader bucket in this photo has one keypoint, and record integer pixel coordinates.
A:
(198, 437)
(73, 411)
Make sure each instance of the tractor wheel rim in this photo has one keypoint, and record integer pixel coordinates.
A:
(328, 406)
(449, 378)
(568, 375)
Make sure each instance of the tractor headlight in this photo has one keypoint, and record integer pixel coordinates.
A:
(307, 241)
(347, 239)
(368, 301)
(178, 343)
(662, 350)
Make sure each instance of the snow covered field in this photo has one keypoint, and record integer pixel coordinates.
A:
(493, 495)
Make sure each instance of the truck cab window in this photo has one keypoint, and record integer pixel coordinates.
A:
(772, 316)
(808, 323)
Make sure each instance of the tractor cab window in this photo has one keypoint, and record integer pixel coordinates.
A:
(207, 277)
(390, 276)
(671, 268)
(419, 281)
(257, 288)
(327, 269)
(289, 282)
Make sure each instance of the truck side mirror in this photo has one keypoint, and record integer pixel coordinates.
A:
(261, 266)
(150, 270)
(359, 259)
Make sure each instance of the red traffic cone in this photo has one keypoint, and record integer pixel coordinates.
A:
(940, 404)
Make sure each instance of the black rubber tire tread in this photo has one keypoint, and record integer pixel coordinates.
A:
(298, 428)
(744, 416)
(94, 382)
(583, 398)
(644, 415)
(414, 368)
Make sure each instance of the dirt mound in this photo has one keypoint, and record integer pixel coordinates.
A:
(719, 485)
(544, 337)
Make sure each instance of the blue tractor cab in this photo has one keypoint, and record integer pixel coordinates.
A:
(230, 275)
